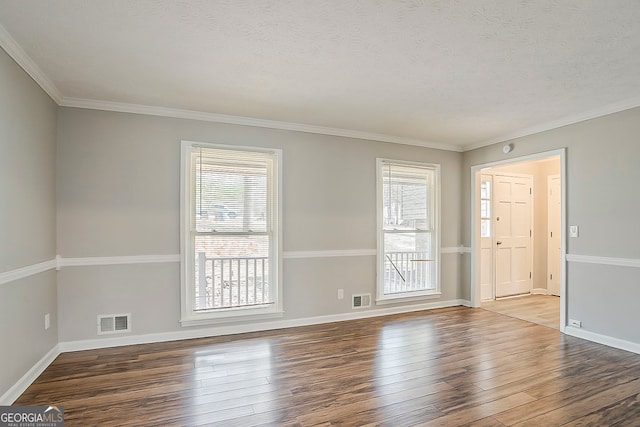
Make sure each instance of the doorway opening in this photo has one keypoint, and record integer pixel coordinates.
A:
(518, 241)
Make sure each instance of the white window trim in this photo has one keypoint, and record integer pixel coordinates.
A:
(381, 298)
(188, 317)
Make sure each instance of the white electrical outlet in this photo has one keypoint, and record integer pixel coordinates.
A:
(575, 323)
(573, 231)
(340, 293)
(47, 321)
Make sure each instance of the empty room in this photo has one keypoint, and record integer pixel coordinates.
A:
(246, 213)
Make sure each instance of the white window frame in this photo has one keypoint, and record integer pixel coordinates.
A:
(191, 317)
(381, 298)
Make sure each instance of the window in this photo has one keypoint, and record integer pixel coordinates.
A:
(230, 232)
(485, 208)
(408, 239)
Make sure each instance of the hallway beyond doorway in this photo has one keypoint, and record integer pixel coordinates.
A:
(541, 309)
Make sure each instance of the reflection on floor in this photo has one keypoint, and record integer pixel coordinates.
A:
(452, 366)
(541, 309)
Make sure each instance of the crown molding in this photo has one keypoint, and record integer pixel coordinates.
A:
(122, 107)
(565, 121)
(18, 54)
(15, 51)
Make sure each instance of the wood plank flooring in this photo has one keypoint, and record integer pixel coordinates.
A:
(448, 367)
(541, 309)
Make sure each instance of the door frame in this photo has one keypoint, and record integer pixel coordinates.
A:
(476, 171)
(550, 178)
(488, 174)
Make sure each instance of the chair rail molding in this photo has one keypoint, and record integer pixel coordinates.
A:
(590, 259)
(30, 270)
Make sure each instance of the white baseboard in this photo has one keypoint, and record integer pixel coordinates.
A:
(190, 333)
(539, 291)
(603, 339)
(18, 388)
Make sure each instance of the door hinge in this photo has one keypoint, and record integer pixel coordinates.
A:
(551, 276)
(530, 190)
(529, 233)
(552, 234)
(529, 275)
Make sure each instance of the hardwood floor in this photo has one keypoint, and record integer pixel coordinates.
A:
(448, 367)
(540, 309)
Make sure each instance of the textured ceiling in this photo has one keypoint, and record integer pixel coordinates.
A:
(452, 72)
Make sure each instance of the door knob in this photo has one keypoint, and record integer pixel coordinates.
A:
(498, 242)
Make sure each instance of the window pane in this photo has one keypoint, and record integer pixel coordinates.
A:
(231, 271)
(233, 231)
(409, 262)
(406, 197)
(230, 194)
(485, 228)
(485, 190)
(485, 209)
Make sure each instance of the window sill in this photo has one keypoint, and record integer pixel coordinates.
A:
(230, 316)
(407, 298)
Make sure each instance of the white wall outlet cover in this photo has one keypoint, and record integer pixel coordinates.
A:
(573, 231)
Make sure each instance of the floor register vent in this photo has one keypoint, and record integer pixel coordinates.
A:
(114, 323)
(361, 301)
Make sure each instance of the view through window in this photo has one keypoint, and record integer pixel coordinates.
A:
(409, 253)
(232, 225)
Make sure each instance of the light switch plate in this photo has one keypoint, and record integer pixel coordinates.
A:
(573, 231)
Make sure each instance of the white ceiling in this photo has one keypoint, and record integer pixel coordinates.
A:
(449, 74)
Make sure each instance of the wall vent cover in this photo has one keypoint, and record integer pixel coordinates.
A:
(361, 301)
(114, 323)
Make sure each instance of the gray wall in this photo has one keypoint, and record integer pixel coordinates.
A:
(27, 220)
(603, 199)
(118, 194)
(111, 180)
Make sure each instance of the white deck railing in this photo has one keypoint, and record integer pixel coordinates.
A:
(231, 282)
(408, 271)
(244, 281)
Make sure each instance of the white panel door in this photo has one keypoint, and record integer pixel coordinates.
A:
(512, 211)
(486, 238)
(554, 255)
